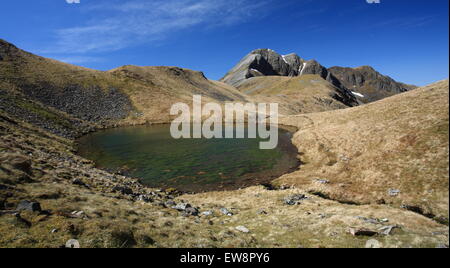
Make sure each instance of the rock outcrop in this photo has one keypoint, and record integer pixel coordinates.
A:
(369, 84)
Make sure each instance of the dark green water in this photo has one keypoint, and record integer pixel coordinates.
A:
(152, 155)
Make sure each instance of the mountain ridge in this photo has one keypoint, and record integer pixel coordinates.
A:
(267, 62)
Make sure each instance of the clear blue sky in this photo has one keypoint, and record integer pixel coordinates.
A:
(405, 39)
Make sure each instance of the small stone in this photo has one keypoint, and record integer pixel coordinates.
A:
(294, 199)
(207, 213)
(372, 243)
(144, 198)
(226, 212)
(73, 243)
(394, 192)
(54, 231)
(242, 229)
(182, 206)
(29, 206)
(322, 181)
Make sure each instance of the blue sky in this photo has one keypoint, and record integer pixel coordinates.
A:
(405, 39)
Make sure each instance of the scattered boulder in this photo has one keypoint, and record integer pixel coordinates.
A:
(170, 204)
(145, 198)
(72, 243)
(181, 206)
(242, 229)
(294, 199)
(29, 206)
(190, 211)
(386, 230)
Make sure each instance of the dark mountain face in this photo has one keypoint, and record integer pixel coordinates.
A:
(367, 84)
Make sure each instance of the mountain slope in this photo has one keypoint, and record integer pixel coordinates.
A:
(367, 81)
(125, 94)
(301, 94)
(399, 143)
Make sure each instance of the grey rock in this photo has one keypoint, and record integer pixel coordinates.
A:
(294, 199)
(170, 203)
(242, 229)
(72, 243)
(207, 213)
(79, 214)
(393, 192)
(386, 230)
(322, 181)
(190, 211)
(225, 211)
(29, 206)
(145, 198)
(182, 206)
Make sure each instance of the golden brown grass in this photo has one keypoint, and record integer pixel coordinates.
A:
(397, 143)
(295, 95)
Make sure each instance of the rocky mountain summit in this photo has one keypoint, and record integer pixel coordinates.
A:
(267, 62)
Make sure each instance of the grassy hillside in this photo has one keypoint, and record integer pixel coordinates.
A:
(301, 94)
(399, 143)
(128, 94)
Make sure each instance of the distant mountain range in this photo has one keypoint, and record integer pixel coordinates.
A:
(362, 83)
